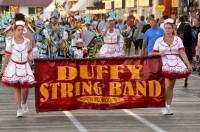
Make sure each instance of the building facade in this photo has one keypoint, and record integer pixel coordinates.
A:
(27, 7)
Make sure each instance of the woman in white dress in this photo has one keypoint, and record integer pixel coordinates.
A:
(18, 73)
(113, 41)
(170, 47)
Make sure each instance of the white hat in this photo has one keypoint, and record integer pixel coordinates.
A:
(79, 40)
(20, 22)
(169, 20)
(110, 19)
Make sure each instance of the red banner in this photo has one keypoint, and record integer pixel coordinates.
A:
(109, 83)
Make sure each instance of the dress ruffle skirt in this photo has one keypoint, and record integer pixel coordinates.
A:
(111, 50)
(18, 76)
(174, 68)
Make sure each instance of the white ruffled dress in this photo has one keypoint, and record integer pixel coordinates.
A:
(173, 67)
(18, 72)
(111, 47)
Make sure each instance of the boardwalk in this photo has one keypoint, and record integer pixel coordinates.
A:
(186, 106)
(186, 118)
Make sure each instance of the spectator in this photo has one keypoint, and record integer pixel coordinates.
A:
(152, 16)
(102, 24)
(94, 22)
(189, 45)
(147, 26)
(151, 36)
(180, 25)
(131, 19)
(127, 28)
(127, 32)
(195, 32)
(138, 35)
(119, 25)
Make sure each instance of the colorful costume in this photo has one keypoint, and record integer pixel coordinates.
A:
(2, 41)
(112, 47)
(92, 37)
(173, 67)
(41, 50)
(79, 51)
(56, 38)
(18, 72)
(2, 47)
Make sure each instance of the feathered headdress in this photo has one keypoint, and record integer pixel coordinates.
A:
(38, 23)
(55, 13)
(88, 20)
(112, 14)
(63, 12)
(5, 19)
(14, 10)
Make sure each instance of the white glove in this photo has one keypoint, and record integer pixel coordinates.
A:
(65, 35)
(35, 52)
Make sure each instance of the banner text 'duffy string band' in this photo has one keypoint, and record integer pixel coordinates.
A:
(67, 84)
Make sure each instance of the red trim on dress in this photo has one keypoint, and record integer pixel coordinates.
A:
(7, 52)
(19, 85)
(30, 50)
(109, 43)
(155, 50)
(19, 62)
(169, 75)
(182, 48)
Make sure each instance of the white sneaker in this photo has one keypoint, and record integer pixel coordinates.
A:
(25, 108)
(19, 113)
(166, 111)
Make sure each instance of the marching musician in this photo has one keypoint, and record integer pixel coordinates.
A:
(39, 39)
(80, 51)
(113, 40)
(2, 40)
(56, 36)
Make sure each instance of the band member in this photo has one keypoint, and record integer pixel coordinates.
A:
(18, 73)
(80, 51)
(113, 41)
(2, 40)
(170, 47)
(39, 39)
(56, 37)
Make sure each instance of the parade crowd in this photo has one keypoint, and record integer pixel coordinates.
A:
(69, 35)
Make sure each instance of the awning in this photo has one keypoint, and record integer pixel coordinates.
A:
(80, 6)
(52, 6)
(37, 3)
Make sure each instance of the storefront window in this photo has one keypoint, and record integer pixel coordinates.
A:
(31, 10)
(3, 8)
